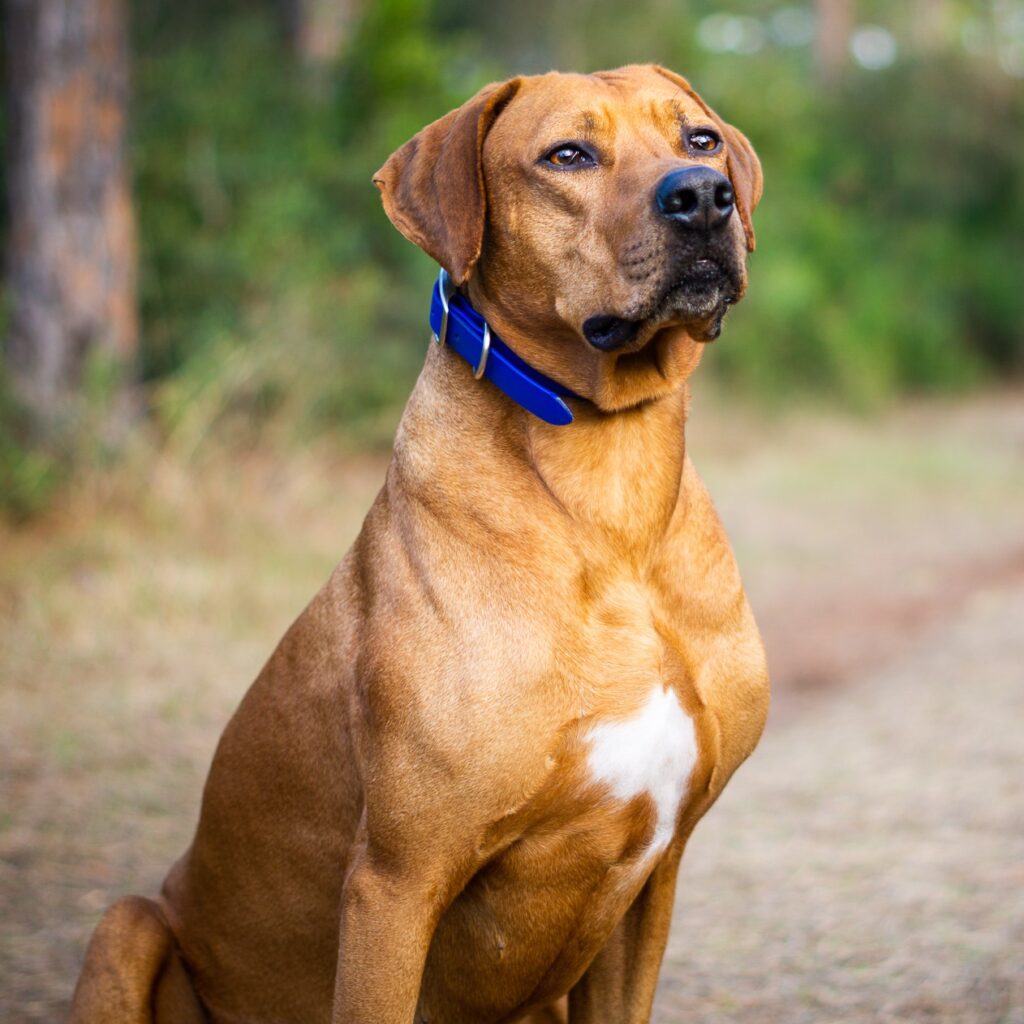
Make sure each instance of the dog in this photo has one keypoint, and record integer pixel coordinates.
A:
(459, 791)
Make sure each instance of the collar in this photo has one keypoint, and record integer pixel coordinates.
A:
(458, 325)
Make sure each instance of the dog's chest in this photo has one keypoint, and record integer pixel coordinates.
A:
(634, 736)
(547, 904)
(627, 748)
(651, 753)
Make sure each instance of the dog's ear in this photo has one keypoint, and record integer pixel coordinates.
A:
(741, 161)
(745, 174)
(433, 186)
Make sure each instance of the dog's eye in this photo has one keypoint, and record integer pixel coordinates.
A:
(570, 156)
(703, 140)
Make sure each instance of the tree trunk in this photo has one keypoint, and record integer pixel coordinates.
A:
(930, 25)
(832, 37)
(318, 29)
(71, 256)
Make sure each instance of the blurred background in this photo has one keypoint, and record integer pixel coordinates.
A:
(209, 330)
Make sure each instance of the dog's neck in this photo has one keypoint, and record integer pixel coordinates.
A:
(614, 477)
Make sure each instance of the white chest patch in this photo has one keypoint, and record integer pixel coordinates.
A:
(653, 752)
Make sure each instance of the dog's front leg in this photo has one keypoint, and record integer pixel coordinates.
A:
(388, 915)
(618, 987)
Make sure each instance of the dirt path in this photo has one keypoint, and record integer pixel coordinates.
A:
(854, 537)
(865, 866)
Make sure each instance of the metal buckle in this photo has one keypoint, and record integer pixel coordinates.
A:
(484, 352)
(447, 290)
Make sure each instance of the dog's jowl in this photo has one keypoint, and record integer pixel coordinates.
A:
(460, 789)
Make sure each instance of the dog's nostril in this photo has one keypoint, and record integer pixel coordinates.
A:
(724, 197)
(688, 201)
(683, 201)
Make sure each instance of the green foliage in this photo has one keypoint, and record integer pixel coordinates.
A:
(274, 290)
(276, 296)
(261, 230)
(38, 456)
(29, 473)
(891, 234)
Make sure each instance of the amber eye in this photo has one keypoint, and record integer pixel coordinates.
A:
(567, 155)
(704, 140)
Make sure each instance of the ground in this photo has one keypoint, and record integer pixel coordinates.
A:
(867, 864)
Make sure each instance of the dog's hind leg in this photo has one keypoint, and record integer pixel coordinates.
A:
(555, 1013)
(133, 973)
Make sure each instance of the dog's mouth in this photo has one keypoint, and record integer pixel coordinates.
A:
(702, 275)
(699, 296)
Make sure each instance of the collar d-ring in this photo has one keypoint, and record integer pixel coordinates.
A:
(481, 367)
(456, 325)
(446, 288)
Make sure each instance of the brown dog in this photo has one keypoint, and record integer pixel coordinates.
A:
(460, 789)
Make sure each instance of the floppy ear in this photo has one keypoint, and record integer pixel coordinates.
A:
(433, 187)
(745, 174)
(741, 161)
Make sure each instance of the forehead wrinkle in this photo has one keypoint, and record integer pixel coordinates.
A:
(667, 113)
(585, 124)
(657, 120)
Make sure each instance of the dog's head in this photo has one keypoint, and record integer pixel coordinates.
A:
(600, 222)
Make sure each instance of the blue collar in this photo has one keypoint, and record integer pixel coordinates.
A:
(458, 325)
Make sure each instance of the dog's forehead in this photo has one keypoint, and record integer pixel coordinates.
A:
(572, 105)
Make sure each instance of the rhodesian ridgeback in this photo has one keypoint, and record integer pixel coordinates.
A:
(459, 791)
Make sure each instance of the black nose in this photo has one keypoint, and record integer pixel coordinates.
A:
(695, 197)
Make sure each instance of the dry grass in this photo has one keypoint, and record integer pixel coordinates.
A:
(861, 868)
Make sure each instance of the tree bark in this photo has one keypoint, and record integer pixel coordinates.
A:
(71, 259)
(930, 25)
(832, 38)
(318, 29)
